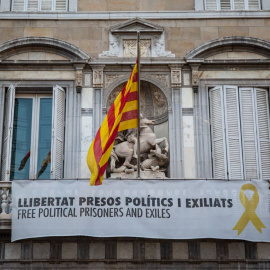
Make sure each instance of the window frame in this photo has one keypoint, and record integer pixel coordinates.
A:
(34, 128)
(234, 130)
(53, 9)
(71, 160)
(246, 3)
(202, 121)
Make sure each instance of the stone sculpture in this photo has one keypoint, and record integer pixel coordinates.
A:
(123, 158)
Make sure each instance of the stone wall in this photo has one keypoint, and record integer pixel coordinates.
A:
(92, 37)
(88, 253)
(135, 5)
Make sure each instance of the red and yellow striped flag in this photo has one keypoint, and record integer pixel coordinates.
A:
(122, 115)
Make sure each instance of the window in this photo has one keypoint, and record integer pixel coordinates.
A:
(39, 5)
(232, 4)
(240, 132)
(33, 134)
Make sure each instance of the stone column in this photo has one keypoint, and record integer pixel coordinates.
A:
(175, 125)
(86, 120)
(97, 98)
(188, 126)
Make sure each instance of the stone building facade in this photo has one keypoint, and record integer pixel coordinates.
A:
(195, 52)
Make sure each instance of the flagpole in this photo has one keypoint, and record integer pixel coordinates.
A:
(139, 109)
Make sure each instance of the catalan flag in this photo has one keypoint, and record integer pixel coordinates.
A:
(122, 115)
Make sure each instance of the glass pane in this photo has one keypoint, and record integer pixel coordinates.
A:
(21, 143)
(44, 139)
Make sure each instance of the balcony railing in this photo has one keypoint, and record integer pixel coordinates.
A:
(5, 204)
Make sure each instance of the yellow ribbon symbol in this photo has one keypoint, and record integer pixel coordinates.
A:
(250, 207)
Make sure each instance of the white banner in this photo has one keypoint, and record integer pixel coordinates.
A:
(171, 209)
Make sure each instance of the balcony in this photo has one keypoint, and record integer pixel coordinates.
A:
(5, 205)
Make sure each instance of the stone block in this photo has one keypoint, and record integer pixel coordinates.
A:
(41, 251)
(125, 250)
(172, 5)
(236, 250)
(149, 5)
(180, 251)
(87, 97)
(191, 23)
(85, 33)
(87, 79)
(187, 97)
(223, 22)
(121, 5)
(186, 79)
(251, 22)
(92, 5)
(152, 251)
(190, 33)
(233, 31)
(12, 251)
(69, 251)
(37, 56)
(62, 33)
(38, 32)
(209, 33)
(260, 32)
(263, 250)
(97, 251)
(208, 250)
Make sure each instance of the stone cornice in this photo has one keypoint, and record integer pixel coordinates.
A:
(132, 14)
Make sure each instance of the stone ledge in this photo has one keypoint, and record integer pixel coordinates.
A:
(117, 15)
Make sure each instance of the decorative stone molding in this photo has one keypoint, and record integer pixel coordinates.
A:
(162, 78)
(111, 78)
(79, 72)
(123, 36)
(130, 48)
(144, 77)
(176, 77)
(237, 43)
(55, 45)
(195, 77)
(98, 76)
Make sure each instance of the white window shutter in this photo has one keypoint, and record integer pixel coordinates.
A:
(263, 131)
(254, 4)
(248, 125)
(233, 134)
(210, 4)
(239, 4)
(60, 5)
(46, 5)
(32, 5)
(58, 118)
(225, 4)
(18, 5)
(8, 133)
(217, 132)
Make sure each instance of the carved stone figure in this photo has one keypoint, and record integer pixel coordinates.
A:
(152, 156)
(156, 161)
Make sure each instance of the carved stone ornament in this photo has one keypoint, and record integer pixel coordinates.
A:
(111, 78)
(114, 47)
(153, 158)
(123, 36)
(153, 102)
(176, 78)
(195, 75)
(78, 78)
(160, 47)
(97, 78)
(164, 79)
(130, 48)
